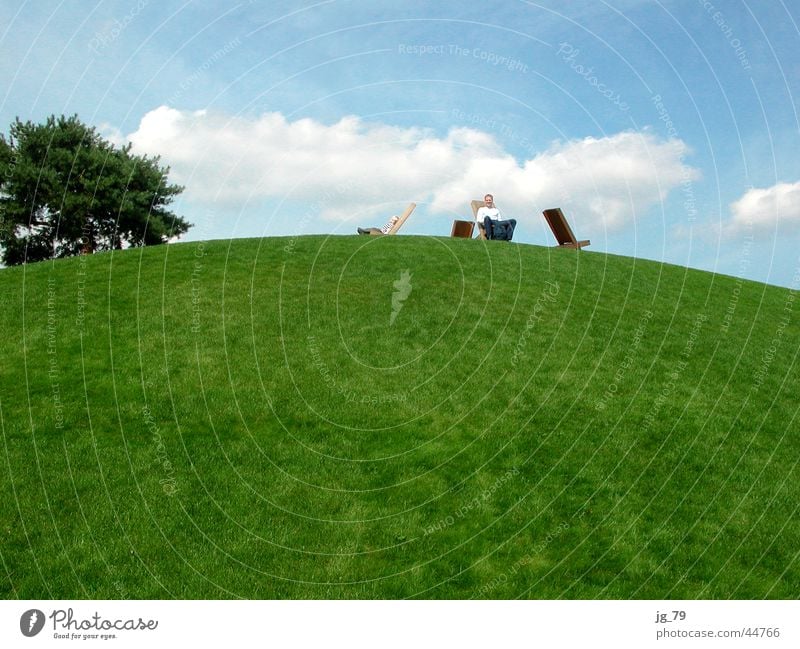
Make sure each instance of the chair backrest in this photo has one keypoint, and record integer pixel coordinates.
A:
(558, 224)
(402, 218)
(462, 229)
(476, 205)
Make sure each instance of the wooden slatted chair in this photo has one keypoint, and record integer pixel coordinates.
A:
(462, 229)
(476, 205)
(402, 218)
(561, 230)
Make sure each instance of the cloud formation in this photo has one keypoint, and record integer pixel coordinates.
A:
(353, 165)
(764, 211)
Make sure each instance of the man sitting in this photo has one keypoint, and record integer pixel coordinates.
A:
(491, 217)
(384, 230)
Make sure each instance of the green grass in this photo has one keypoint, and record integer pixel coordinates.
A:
(239, 419)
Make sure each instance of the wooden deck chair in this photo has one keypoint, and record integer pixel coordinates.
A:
(402, 218)
(462, 229)
(476, 205)
(561, 230)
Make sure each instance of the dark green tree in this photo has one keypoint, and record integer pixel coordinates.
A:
(64, 190)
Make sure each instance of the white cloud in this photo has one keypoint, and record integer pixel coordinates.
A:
(608, 181)
(352, 165)
(763, 211)
(112, 134)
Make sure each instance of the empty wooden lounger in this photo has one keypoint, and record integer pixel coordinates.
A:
(462, 229)
(561, 230)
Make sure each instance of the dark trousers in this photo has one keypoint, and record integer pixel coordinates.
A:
(500, 230)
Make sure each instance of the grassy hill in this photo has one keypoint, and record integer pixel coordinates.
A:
(360, 417)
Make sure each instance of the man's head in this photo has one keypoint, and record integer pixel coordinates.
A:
(489, 200)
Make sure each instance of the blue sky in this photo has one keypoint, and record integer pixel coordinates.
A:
(665, 130)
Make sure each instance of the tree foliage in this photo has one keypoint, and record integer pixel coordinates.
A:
(64, 190)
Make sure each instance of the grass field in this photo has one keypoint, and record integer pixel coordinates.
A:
(249, 419)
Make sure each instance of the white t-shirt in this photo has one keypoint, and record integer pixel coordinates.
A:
(492, 212)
